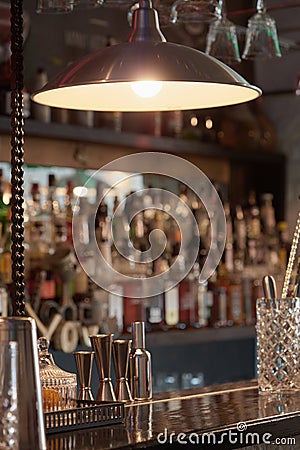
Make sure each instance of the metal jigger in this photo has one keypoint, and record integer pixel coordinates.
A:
(121, 350)
(102, 345)
(84, 364)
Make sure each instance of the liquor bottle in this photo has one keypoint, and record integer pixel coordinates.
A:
(228, 254)
(81, 229)
(52, 210)
(116, 308)
(38, 249)
(35, 208)
(120, 236)
(134, 308)
(240, 239)
(187, 301)
(155, 313)
(103, 231)
(218, 313)
(69, 205)
(267, 214)
(284, 244)
(269, 229)
(171, 305)
(235, 301)
(5, 254)
(221, 318)
(255, 254)
(3, 206)
(205, 304)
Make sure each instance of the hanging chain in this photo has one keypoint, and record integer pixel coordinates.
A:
(17, 159)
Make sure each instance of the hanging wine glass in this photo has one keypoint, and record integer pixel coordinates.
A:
(221, 41)
(188, 11)
(54, 6)
(163, 7)
(123, 4)
(261, 35)
(87, 4)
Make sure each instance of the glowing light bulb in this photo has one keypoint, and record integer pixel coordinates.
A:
(80, 191)
(146, 89)
(194, 121)
(209, 123)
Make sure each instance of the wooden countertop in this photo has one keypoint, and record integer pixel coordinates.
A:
(231, 415)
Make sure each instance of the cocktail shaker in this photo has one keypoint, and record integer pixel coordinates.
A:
(31, 426)
(102, 345)
(140, 364)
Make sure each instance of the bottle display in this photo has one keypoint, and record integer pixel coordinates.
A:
(57, 286)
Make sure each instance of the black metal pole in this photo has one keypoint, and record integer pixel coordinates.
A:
(17, 159)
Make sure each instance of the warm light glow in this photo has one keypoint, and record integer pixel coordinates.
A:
(174, 95)
(208, 123)
(194, 121)
(6, 198)
(146, 89)
(80, 191)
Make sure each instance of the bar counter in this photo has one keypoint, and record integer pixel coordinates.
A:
(231, 415)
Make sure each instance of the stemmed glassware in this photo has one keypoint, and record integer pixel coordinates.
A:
(188, 11)
(123, 4)
(163, 8)
(87, 4)
(54, 6)
(261, 35)
(221, 41)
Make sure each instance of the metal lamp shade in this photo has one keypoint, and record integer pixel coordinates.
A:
(103, 81)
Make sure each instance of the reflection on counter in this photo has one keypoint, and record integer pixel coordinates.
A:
(205, 416)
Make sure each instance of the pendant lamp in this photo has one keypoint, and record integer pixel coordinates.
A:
(146, 74)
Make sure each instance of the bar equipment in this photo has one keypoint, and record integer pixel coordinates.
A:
(102, 345)
(84, 364)
(278, 335)
(31, 428)
(58, 386)
(140, 364)
(292, 256)
(121, 351)
(269, 287)
(10, 421)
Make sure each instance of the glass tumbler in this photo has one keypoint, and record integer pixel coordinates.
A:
(278, 355)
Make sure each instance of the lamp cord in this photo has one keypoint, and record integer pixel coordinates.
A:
(17, 159)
